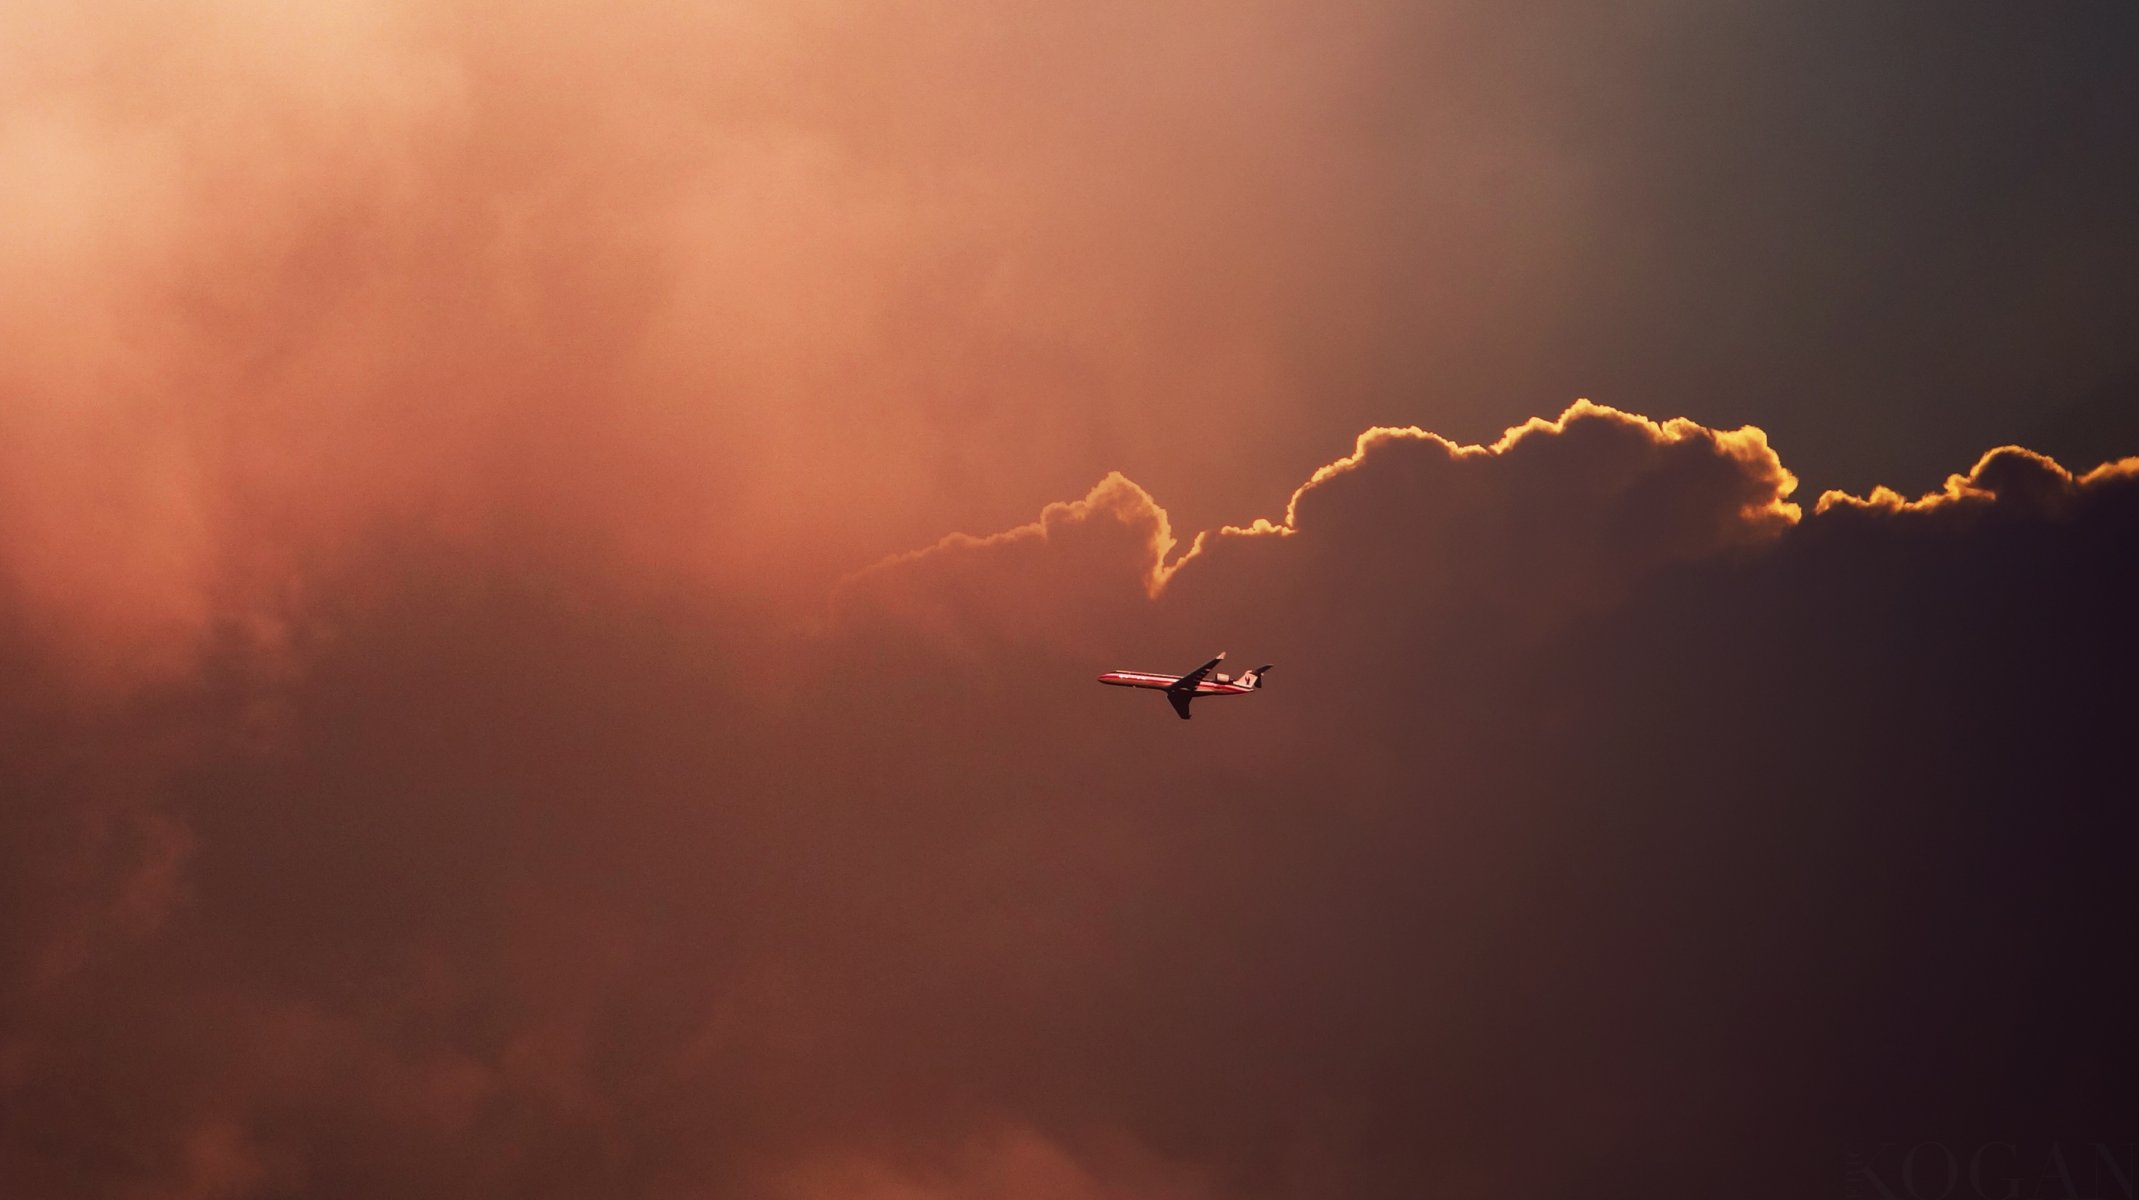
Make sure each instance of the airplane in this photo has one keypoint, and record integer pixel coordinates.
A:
(1180, 689)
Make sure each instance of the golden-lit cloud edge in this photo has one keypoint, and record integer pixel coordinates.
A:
(1115, 497)
(2012, 474)
(2003, 473)
(1748, 445)
(1124, 499)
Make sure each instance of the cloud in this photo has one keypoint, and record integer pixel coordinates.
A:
(1605, 824)
(446, 746)
(2010, 476)
(1555, 517)
(1087, 566)
(704, 282)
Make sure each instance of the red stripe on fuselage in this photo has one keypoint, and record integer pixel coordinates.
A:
(1139, 679)
(1144, 679)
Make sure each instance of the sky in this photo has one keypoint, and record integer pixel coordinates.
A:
(553, 558)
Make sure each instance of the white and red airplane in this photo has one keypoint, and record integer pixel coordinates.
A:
(1180, 689)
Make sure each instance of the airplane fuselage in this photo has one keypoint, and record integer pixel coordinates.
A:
(1180, 689)
(1145, 679)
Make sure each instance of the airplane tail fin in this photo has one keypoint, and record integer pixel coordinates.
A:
(1254, 678)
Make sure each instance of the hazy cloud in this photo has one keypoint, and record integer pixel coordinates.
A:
(454, 740)
(1602, 824)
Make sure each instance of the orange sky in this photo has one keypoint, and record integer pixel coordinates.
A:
(552, 559)
(763, 290)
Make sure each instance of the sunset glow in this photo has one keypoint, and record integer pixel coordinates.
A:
(553, 559)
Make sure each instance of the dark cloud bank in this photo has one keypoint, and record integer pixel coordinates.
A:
(1606, 829)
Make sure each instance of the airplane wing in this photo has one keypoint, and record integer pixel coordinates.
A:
(1186, 685)
(1180, 703)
